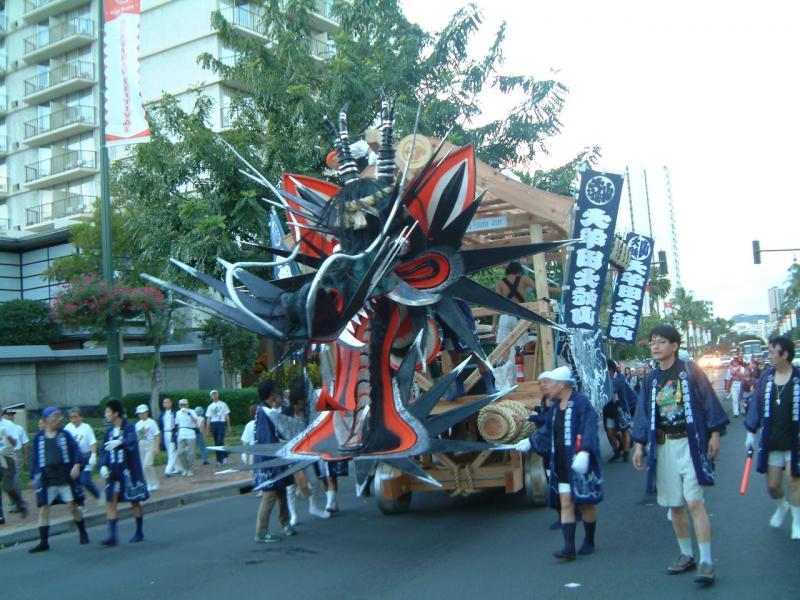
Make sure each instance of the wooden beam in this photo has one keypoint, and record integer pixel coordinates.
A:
(544, 339)
(501, 348)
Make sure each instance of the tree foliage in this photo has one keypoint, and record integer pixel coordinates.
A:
(239, 348)
(27, 322)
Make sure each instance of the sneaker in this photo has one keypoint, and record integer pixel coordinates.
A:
(294, 521)
(564, 554)
(40, 547)
(779, 516)
(189, 473)
(289, 531)
(705, 574)
(681, 564)
(267, 538)
(109, 542)
(795, 529)
(318, 512)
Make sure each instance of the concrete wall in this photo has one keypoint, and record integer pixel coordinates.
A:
(84, 382)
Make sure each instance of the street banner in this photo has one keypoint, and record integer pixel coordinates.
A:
(276, 235)
(588, 361)
(628, 296)
(125, 118)
(595, 219)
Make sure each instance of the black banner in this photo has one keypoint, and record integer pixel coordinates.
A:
(595, 219)
(626, 302)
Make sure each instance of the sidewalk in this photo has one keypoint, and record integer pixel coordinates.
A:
(174, 491)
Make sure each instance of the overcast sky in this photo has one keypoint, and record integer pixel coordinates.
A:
(708, 89)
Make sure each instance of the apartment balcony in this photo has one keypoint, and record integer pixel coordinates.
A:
(322, 18)
(5, 225)
(3, 26)
(61, 124)
(38, 10)
(73, 207)
(3, 145)
(230, 60)
(3, 64)
(58, 39)
(73, 164)
(3, 104)
(321, 49)
(64, 79)
(3, 186)
(245, 20)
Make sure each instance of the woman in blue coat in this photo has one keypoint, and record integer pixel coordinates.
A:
(569, 435)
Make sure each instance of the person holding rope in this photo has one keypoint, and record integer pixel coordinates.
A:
(569, 436)
(775, 408)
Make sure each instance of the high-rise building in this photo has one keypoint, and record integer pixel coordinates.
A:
(49, 134)
(776, 296)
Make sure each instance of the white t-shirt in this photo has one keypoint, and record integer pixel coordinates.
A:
(217, 411)
(7, 429)
(21, 435)
(147, 429)
(248, 439)
(187, 420)
(83, 434)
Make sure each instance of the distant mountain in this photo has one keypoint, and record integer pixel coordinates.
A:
(749, 318)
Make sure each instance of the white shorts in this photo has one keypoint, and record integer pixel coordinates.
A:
(779, 458)
(675, 477)
(62, 491)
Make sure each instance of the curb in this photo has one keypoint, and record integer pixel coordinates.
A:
(64, 525)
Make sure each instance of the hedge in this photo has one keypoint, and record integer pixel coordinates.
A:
(238, 400)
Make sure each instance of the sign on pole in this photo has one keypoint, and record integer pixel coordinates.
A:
(595, 218)
(626, 302)
(124, 115)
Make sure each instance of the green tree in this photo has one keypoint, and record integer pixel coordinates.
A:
(27, 322)
(239, 348)
(660, 287)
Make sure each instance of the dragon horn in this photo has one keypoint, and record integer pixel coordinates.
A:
(386, 156)
(348, 170)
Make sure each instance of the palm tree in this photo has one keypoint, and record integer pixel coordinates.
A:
(659, 286)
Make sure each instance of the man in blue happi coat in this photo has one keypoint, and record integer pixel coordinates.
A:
(569, 436)
(56, 464)
(775, 409)
(121, 467)
(680, 420)
(616, 415)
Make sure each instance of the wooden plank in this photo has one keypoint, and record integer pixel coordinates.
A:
(544, 339)
(423, 382)
(503, 347)
(528, 392)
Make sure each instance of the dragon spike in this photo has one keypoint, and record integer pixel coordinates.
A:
(348, 170)
(386, 156)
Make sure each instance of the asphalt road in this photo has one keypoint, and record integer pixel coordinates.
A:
(486, 546)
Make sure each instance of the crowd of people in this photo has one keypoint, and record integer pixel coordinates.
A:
(673, 424)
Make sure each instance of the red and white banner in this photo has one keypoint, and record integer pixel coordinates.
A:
(125, 118)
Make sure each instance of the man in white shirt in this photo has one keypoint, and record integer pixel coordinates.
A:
(20, 450)
(148, 434)
(218, 417)
(170, 431)
(8, 467)
(87, 444)
(186, 420)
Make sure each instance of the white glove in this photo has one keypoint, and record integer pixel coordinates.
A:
(523, 446)
(580, 464)
(92, 459)
(750, 442)
(104, 473)
(112, 445)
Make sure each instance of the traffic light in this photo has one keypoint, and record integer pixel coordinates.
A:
(756, 252)
(662, 263)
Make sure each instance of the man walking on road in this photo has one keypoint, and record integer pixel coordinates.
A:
(616, 415)
(218, 417)
(776, 408)
(10, 466)
(680, 419)
(56, 464)
(148, 435)
(170, 429)
(121, 467)
(87, 444)
(187, 422)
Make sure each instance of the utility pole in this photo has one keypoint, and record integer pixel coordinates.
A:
(630, 197)
(112, 336)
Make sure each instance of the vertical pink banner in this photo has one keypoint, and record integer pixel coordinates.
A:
(125, 118)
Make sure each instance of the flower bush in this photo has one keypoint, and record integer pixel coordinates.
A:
(87, 303)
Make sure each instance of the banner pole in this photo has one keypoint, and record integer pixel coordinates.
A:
(112, 336)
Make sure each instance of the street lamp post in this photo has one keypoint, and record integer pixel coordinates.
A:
(112, 336)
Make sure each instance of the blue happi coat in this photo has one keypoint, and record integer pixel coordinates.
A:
(758, 415)
(267, 433)
(704, 415)
(580, 420)
(621, 395)
(70, 455)
(125, 464)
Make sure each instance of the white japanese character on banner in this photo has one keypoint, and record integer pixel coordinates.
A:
(584, 297)
(620, 333)
(626, 291)
(582, 315)
(632, 279)
(623, 320)
(595, 217)
(588, 258)
(626, 305)
(587, 278)
(593, 237)
(637, 266)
